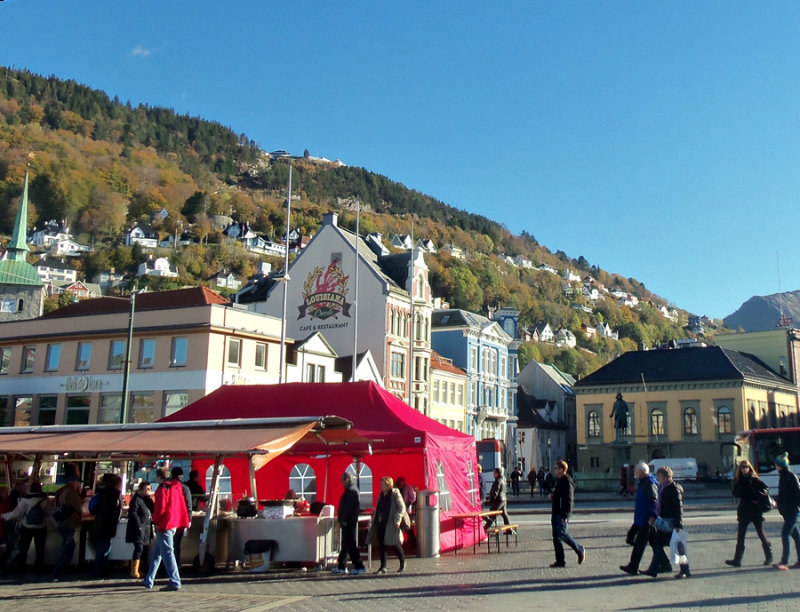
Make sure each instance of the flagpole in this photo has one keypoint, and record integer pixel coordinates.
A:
(355, 300)
(411, 326)
(285, 278)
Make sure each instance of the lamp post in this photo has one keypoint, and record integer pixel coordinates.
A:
(549, 454)
(123, 413)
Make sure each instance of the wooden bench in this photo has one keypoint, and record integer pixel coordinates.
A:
(494, 532)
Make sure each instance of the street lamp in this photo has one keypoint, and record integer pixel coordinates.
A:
(549, 455)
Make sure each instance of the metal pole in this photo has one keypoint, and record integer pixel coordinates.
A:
(285, 278)
(355, 301)
(123, 413)
(411, 325)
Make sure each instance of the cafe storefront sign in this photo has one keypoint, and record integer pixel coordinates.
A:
(80, 384)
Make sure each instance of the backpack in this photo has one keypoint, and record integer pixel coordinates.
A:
(35, 515)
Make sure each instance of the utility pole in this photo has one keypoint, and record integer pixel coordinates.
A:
(285, 278)
(123, 413)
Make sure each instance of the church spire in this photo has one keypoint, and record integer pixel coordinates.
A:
(18, 247)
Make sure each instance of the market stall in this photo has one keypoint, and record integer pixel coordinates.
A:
(253, 442)
(397, 441)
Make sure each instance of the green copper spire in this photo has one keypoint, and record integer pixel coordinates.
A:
(18, 247)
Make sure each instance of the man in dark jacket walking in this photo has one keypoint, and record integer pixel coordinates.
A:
(562, 497)
(644, 510)
(68, 502)
(789, 507)
(349, 507)
(106, 510)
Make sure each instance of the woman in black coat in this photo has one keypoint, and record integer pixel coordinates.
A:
(140, 520)
(751, 491)
(669, 507)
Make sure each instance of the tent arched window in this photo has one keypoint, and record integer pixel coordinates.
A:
(445, 502)
(225, 490)
(472, 484)
(362, 476)
(304, 481)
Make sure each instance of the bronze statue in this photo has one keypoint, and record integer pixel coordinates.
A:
(620, 415)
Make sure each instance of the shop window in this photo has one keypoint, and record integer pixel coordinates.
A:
(303, 481)
(47, 410)
(22, 411)
(445, 503)
(110, 408)
(174, 401)
(142, 408)
(78, 410)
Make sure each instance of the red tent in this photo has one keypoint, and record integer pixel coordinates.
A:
(401, 442)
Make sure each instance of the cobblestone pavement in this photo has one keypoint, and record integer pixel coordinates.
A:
(518, 577)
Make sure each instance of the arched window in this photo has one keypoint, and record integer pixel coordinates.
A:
(593, 419)
(657, 422)
(724, 420)
(444, 492)
(304, 481)
(225, 490)
(472, 484)
(362, 476)
(690, 422)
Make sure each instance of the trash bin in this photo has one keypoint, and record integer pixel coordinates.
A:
(428, 523)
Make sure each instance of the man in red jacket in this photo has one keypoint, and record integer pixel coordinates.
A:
(169, 515)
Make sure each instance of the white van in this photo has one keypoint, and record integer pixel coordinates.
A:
(684, 468)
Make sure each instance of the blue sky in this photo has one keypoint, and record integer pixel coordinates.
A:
(658, 140)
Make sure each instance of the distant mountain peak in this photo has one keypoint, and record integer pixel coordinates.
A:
(764, 312)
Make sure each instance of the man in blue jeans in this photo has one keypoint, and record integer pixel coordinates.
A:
(169, 515)
(562, 497)
(789, 508)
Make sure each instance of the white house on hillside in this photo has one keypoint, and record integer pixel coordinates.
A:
(158, 267)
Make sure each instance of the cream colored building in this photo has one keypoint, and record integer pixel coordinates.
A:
(69, 366)
(448, 403)
(682, 403)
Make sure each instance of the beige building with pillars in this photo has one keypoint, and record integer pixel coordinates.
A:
(682, 403)
(68, 367)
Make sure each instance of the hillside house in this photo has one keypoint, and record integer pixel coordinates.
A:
(158, 267)
(142, 234)
(455, 252)
(426, 245)
(604, 330)
(570, 276)
(107, 280)
(523, 262)
(589, 331)
(51, 232)
(565, 337)
(402, 241)
(226, 279)
(543, 267)
(541, 332)
(52, 270)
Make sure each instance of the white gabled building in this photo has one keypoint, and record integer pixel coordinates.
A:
(158, 267)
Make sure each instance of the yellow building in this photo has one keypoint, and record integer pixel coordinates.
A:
(448, 403)
(682, 403)
(68, 367)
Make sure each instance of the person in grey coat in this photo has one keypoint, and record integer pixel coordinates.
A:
(389, 515)
(497, 498)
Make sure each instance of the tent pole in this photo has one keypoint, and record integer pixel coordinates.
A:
(253, 488)
(211, 510)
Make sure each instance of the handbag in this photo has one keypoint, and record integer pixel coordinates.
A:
(405, 522)
(766, 503)
(665, 525)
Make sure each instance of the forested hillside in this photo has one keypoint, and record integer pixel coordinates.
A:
(101, 164)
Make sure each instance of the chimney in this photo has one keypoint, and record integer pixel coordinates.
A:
(331, 218)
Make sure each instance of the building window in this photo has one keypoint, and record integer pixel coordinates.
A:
(84, 360)
(724, 420)
(142, 407)
(5, 360)
(398, 365)
(22, 411)
(690, 422)
(174, 401)
(53, 357)
(452, 393)
(78, 409)
(147, 353)
(234, 352)
(47, 410)
(473, 358)
(593, 424)
(110, 408)
(320, 373)
(261, 356)
(657, 422)
(179, 351)
(28, 359)
(436, 391)
(303, 481)
(116, 355)
(460, 394)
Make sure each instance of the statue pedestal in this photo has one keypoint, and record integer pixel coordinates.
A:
(620, 455)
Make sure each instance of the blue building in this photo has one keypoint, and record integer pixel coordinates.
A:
(480, 347)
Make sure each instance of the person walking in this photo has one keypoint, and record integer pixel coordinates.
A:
(31, 514)
(177, 476)
(68, 506)
(532, 480)
(516, 476)
(497, 499)
(563, 497)
(623, 480)
(752, 492)
(789, 508)
(349, 508)
(140, 525)
(644, 510)
(384, 530)
(106, 508)
(169, 515)
(668, 520)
